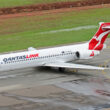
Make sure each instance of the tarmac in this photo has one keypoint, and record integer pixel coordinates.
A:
(48, 89)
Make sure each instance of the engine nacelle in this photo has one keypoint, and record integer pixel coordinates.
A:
(86, 54)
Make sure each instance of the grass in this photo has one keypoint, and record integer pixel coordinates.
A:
(24, 30)
(11, 3)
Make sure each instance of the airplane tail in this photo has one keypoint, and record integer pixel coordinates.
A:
(97, 42)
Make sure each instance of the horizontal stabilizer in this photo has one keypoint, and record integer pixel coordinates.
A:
(106, 27)
(31, 49)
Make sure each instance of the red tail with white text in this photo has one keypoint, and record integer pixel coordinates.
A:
(97, 42)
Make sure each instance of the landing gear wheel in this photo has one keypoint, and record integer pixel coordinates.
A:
(61, 69)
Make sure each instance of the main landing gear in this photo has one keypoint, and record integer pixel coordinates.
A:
(68, 70)
(61, 69)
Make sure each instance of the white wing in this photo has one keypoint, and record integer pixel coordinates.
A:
(74, 66)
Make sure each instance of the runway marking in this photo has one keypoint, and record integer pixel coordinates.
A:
(69, 29)
(10, 87)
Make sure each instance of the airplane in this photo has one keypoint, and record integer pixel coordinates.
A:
(59, 57)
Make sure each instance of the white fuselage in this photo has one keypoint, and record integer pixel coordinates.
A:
(39, 57)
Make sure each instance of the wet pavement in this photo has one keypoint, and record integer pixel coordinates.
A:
(83, 94)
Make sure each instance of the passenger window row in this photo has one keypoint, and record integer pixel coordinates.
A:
(42, 57)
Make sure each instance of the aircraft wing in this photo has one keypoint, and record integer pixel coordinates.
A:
(74, 66)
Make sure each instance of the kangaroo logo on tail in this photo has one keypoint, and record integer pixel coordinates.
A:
(97, 42)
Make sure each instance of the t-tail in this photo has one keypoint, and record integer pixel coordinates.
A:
(97, 42)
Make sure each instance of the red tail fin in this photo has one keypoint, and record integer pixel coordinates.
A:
(97, 42)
